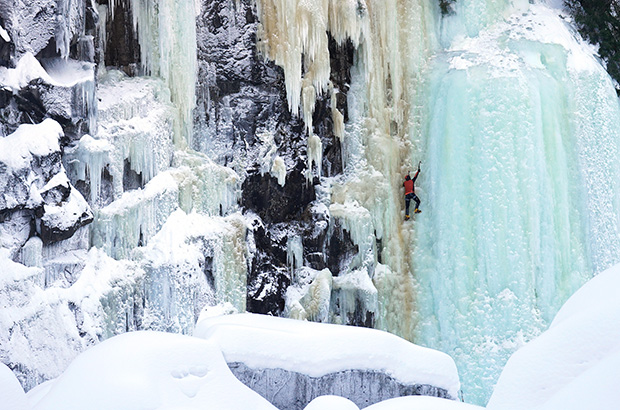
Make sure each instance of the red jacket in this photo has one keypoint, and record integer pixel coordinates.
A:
(409, 184)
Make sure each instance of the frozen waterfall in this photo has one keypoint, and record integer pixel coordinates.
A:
(517, 125)
(520, 185)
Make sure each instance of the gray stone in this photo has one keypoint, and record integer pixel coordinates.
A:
(293, 391)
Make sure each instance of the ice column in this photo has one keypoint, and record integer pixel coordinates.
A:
(167, 36)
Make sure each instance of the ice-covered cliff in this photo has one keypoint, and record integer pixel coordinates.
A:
(251, 153)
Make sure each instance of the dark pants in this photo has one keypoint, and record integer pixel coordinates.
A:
(408, 199)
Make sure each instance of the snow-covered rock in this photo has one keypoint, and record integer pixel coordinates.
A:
(34, 188)
(293, 362)
(148, 370)
(36, 89)
(573, 365)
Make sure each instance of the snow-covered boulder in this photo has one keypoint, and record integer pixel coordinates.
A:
(148, 370)
(575, 364)
(292, 362)
(34, 188)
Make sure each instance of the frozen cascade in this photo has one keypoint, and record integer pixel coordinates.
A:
(134, 218)
(494, 162)
(385, 110)
(193, 261)
(521, 184)
(167, 37)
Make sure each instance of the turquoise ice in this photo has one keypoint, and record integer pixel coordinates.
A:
(519, 185)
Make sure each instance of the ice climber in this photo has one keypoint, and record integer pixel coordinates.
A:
(410, 193)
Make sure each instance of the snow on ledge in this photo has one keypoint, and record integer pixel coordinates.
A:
(317, 349)
(17, 149)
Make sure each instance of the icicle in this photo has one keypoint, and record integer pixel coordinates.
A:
(315, 156)
(204, 186)
(167, 37)
(92, 157)
(337, 118)
(278, 170)
(294, 253)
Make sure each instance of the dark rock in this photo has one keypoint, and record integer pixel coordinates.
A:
(274, 203)
(268, 276)
(7, 50)
(131, 179)
(340, 250)
(241, 95)
(599, 22)
(293, 391)
(122, 49)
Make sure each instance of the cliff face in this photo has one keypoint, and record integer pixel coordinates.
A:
(124, 158)
(243, 121)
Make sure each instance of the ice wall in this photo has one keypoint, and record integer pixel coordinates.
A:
(516, 124)
(393, 40)
(520, 192)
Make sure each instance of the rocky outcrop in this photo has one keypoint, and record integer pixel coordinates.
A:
(599, 22)
(293, 391)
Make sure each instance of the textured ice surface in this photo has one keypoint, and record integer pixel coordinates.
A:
(521, 185)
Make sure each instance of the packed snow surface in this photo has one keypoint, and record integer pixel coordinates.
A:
(575, 364)
(151, 370)
(13, 396)
(317, 349)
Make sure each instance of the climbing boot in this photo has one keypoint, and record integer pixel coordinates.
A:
(406, 217)
(417, 210)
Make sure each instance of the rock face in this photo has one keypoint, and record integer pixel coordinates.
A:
(245, 123)
(292, 390)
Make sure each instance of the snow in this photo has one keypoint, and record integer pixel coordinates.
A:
(422, 403)
(17, 149)
(68, 213)
(58, 72)
(149, 370)
(331, 403)
(317, 349)
(26, 70)
(13, 396)
(574, 364)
